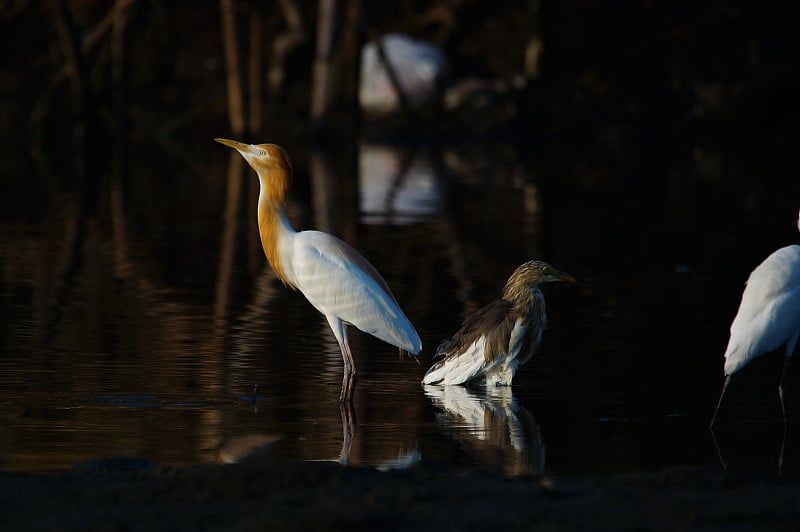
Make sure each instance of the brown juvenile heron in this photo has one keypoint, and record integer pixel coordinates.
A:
(497, 339)
(334, 277)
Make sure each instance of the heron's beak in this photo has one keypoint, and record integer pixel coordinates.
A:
(241, 147)
(563, 276)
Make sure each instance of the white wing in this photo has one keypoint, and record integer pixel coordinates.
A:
(341, 283)
(769, 314)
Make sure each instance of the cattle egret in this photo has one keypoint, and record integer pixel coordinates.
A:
(768, 317)
(335, 278)
(500, 337)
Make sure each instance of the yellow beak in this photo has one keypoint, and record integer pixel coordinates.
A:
(236, 145)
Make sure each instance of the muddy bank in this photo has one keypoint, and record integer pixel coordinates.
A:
(303, 495)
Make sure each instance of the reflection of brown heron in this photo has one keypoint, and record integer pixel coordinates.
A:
(492, 426)
(497, 339)
(334, 277)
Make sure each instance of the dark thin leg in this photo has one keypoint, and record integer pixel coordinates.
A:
(721, 395)
(348, 427)
(349, 376)
(719, 451)
(782, 390)
(348, 386)
(783, 449)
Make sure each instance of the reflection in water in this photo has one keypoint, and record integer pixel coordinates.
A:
(764, 446)
(141, 287)
(403, 460)
(491, 425)
(398, 186)
(170, 299)
(246, 448)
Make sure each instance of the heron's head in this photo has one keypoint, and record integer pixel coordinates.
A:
(270, 163)
(531, 274)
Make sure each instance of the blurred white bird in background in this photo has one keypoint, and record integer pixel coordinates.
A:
(768, 317)
(421, 69)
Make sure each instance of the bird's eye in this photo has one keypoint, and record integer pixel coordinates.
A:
(262, 153)
(547, 270)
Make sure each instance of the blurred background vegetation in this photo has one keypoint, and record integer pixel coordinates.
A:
(630, 75)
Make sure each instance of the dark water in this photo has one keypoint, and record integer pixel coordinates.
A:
(141, 320)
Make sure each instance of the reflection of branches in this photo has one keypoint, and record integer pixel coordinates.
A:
(75, 235)
(492, 425)
(67, 266)
(231, 237)
(458, 267)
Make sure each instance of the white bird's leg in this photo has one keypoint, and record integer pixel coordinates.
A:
(724, 387)
(348, 387)
(783, 449)
(782, 389)
(347, 356)
(349, 375)
(790, 345)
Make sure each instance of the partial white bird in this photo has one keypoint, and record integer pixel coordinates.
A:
(494, 341)
(768, 317)
(334, 277)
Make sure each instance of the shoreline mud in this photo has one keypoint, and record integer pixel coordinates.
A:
(292, 495)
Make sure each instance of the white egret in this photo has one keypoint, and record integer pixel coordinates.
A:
(768, 317)
(494, 341)
(334, 277)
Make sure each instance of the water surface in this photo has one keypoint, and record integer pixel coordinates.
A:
(141, 318)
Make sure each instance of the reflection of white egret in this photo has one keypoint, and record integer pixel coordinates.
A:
(492, 425)
(334, 277)
(497, 339)
(768, 317)
(397, 185)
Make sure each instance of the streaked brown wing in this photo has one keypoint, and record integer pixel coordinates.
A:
(495, 321)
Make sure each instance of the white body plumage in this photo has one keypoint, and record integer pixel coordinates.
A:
(769, 314)
(326, 271)
(768, 317)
